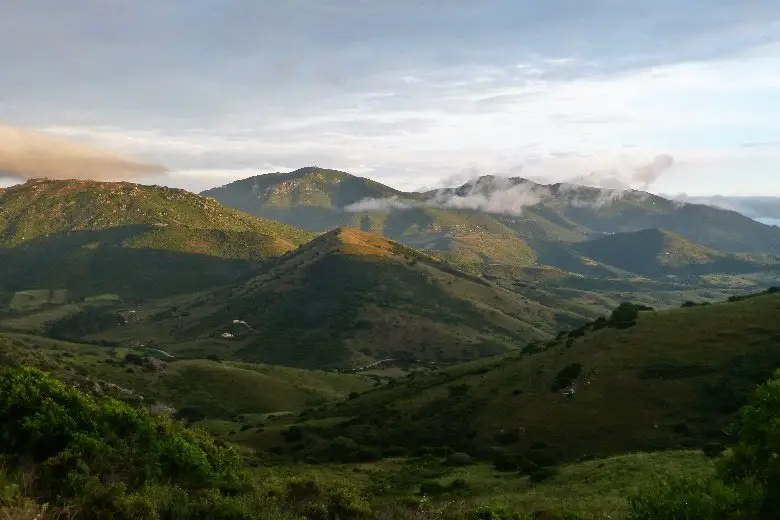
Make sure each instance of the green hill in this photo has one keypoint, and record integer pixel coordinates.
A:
(656, 252)
(659, 380)
(135, 241)
(478, 239)
(213, 389)
(44, 207)
(349, 298)
(305, 198)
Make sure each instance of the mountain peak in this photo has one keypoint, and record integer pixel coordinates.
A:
(352, 241)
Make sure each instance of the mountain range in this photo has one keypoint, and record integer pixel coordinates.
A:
(335, 271)
(492, 222)
(456, 346)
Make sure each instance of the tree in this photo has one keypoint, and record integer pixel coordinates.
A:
(755, 460)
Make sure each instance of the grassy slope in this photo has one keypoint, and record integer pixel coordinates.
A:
(349, 298)
(137, 241)
(592, 490)
(670, 380)
(304, 198)
(221, 389)
(39, 208)
(656, 252)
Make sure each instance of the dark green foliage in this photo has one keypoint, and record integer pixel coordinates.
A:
(72, 436)
(543, 474)
(754, 459)
(292, 434)
(673, 370)
(746, 485)
(689, 500)
(625, 315)
(88, 321)
(566, 376)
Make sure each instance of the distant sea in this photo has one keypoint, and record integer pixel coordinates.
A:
(770, 221)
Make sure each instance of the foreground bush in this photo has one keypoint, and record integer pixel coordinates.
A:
(746, 485)
(71, 437)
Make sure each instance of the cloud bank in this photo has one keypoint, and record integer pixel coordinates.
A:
(497, 194)
(26, 154)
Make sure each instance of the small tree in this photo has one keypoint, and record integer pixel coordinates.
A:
(755, 460)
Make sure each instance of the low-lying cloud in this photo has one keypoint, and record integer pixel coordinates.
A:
(27, 154)
(488, 194)
(511, 196)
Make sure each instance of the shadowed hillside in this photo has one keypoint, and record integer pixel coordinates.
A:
(349, 298)
(655, 252)
(135, 241)
(638, 381)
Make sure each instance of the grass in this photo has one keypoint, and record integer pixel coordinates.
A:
(34, 299)
(675, 407)
(140, 242)
(595, 489)
(347, 299)
(70, 205)
(219, 389)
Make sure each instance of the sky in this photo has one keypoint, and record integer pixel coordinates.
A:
(411, 93)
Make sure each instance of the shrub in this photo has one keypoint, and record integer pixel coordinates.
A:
(72, 436)
(688, 499)
(459, 459)
(566, 376)
(543, 474)
(292, 434)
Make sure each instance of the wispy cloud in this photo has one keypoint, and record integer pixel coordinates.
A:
(413, 91)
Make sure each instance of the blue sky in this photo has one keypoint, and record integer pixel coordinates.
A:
(407, 92)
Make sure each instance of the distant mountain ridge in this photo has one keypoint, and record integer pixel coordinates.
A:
(490, 220)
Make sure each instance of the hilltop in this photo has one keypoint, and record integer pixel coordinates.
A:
(43, 207)
(310, 198)
(349, 298)
(646, 380)
(136, 241)
(490, 221)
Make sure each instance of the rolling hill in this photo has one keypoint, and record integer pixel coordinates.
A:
(489, 221)
(656, 252)
(309, 198)
(639, 381)
(349, 298)
(136, 241)
(207, 388)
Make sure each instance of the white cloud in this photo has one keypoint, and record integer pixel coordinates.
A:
(413, 107)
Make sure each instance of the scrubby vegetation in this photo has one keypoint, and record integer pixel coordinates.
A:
(69, 455)
(746, 485)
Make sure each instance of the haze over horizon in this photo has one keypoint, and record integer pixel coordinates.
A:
(665, 97)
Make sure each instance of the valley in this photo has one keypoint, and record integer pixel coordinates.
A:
(452, 354)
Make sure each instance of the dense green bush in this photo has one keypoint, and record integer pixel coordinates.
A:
(73, 437)
(566, 376)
